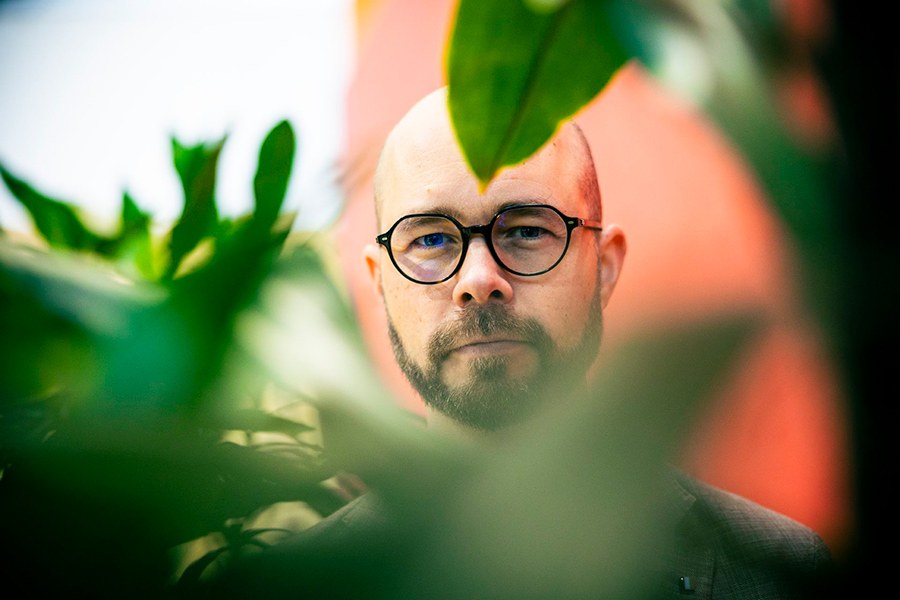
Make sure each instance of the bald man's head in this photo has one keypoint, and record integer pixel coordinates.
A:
(493, 294)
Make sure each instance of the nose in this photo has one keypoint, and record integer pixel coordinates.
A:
(480, 278)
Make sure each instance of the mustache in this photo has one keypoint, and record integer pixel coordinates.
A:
(481, 321)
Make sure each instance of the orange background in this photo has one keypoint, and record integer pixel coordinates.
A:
(701, 237)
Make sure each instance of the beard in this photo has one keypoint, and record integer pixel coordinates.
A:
(491, 398)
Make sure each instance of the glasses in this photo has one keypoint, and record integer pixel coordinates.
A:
(524, 239)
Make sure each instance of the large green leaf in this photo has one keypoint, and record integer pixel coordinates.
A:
(515, 72)
(571, 504)
(56, 221)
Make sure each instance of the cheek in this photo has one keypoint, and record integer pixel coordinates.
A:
(560, 313)
(413, 313)
(562, 304)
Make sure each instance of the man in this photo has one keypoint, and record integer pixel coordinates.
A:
(478, 320)
(494, 302)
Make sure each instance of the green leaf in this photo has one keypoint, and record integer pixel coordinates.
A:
(56, 221)
(55, 310)
(196, 166)
(133, 247)
(86, 292)
(515, 73)
(276, 157)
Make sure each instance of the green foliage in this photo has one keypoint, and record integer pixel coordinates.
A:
(121, 386)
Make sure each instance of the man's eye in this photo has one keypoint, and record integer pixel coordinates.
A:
(431, 240)
(528, 232)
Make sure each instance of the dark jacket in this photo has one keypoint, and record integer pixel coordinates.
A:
(729, 547)
(724, 546)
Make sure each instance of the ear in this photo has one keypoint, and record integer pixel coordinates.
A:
(612, 257)
(372, 256)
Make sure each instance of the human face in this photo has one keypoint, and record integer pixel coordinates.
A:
(485, 337)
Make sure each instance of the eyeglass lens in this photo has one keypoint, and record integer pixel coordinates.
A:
(526, 240)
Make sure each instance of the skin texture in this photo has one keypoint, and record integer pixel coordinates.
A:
(486, 337)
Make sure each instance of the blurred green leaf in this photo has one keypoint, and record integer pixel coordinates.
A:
(303, 333)
(276, 157)
(78, 316)
(196, 166)
(104, 480)
(86, 292)
(574, 504)
(131, 248)
(57, 221)
(135, 244)
(515, 73)
(728, 59)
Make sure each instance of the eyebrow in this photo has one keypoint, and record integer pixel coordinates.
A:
(453, 211)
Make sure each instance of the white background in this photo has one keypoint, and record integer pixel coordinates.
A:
(91, 91)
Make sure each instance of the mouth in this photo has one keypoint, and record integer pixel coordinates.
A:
(489, 347)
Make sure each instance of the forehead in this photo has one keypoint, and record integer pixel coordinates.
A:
(447, 198)
(432, 176)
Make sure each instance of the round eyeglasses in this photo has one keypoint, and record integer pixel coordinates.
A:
(524, 239)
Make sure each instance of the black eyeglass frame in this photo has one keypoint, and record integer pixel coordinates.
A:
(384, 239)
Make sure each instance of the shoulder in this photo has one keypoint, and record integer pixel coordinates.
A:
(750, 546)
(751, 526)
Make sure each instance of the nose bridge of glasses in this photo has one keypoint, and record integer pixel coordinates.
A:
(482, 230)
(485, 232)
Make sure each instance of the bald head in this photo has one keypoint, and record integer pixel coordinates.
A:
(425, 134)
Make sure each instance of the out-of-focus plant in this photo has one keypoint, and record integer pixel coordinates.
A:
(134, 417)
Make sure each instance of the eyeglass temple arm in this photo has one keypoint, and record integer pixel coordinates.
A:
(588, 224)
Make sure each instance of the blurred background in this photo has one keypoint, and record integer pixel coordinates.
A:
(91, 90)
